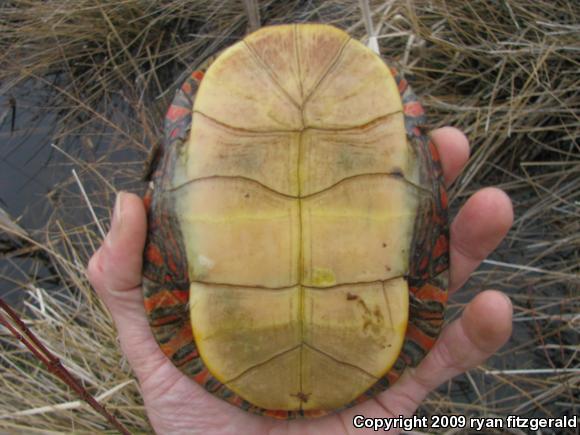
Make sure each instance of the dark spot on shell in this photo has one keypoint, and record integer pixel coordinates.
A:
(303, 397)
(351, 297)
(387, 268)
(397, 172)
(247, 195)
(384, 245)
(364, 306)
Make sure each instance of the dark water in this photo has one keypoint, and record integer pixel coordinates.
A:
(25, 155)
(26, 178)
(36, 182)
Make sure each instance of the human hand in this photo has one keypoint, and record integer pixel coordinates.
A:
(176, 404)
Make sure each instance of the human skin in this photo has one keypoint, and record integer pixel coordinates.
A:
(176, 404)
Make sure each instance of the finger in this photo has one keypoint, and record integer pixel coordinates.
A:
(453, 147)
(478, 228)
(118, 261)
(485, 326)
(115, 273)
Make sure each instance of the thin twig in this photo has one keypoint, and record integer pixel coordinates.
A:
(26, 337)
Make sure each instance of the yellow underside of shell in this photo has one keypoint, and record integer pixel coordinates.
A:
(297, 196)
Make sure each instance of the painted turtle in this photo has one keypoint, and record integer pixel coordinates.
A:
(297, 250)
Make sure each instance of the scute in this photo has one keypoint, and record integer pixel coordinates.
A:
(333, 157)
(301, 195)
(356, 90)
(361, 325)
(229, 317)
(237, 232)
(359, 230)
(268, 158)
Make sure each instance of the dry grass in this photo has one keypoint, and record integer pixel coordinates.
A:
(505, 72)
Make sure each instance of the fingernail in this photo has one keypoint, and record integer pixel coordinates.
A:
(117, 219)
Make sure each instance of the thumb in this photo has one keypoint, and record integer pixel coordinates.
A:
(115, 273)
(116, 266)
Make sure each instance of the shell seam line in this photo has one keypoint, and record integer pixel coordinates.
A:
(330, 68)
(261, 287)
(395, 174)
(266, 361)
(366, 125)
(297, 52)
(300, 265)
(257, 59)
(354, 366)
(298, 346)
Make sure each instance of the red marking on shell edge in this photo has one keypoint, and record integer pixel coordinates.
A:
(434, 151)
(441, 246)
(403, 84)
(416, 131)
(202, 376)
(176, 112)
(393, 376)
(186, 358)
(423, 340)
(166, 298)
(277, 414)
(197, 75)
(153, 255)
(165, 320)
(424, 263)
(429, 292)
(318, 412)
(436, 217)
(182, 338)
(236, 400)
(172, 265)
(413, 109)
(147, 199)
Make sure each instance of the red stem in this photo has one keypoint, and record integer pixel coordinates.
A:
(25, 335)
